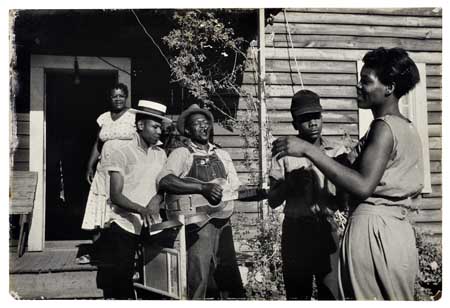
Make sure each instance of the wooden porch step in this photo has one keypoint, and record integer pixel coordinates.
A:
(54, 273)
(61, 285)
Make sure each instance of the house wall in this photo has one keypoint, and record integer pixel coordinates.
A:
(327, 43)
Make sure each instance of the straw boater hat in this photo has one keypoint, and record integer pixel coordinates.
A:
(153, 109)
(194, 108)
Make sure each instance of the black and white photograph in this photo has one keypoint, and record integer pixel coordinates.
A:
(260, 152)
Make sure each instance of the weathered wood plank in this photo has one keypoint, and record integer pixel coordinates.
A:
(341, 54)
(357, 19)
(434, 130)
(436, 179)
(434, 117)
(322, 91)
(327, 116)
(311, 66)
(328, 129)
(436, 166)
(337, 104)
(22, 117)
(362, 30)
(435, 142)
(427, 216)
(20, 166)
(434, 94)
(23, 142)
(435, 155)
(434, 105)
(419, 11)
(23, 128)
(308, 79)
(434, 82)
(434, 70)
(436, 192)
(21, 155)
(351, 42)
(67, 285)
(429, 203)
(430, 228)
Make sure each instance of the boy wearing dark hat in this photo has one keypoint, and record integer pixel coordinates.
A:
(211, 258)
(309, 239)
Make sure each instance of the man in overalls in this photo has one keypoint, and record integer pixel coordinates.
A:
(212, 269)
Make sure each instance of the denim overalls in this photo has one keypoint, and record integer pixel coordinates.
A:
(210, 250)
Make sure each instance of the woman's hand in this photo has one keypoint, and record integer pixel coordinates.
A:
(289, 146)
(90, 175)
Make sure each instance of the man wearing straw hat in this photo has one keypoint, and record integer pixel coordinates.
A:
(133, 199)
(211, 258)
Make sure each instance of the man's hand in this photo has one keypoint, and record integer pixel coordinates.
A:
(152, 209)
(212, 192)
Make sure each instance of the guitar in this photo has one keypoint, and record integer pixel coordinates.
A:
(198, 210)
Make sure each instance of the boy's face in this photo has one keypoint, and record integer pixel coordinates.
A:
(309, 126)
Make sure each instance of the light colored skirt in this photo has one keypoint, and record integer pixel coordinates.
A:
(97, 212)
(379, 259)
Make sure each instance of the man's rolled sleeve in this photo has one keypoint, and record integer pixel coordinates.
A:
(115, 161)
(177, 164)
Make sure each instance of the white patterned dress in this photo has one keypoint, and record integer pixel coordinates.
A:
(112, 133)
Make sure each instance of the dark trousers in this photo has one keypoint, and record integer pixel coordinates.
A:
(115, 275)
(212, 269)
(309, 249)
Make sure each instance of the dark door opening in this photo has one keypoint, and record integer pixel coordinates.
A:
(71, 112)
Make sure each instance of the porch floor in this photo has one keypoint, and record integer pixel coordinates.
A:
(58, 256)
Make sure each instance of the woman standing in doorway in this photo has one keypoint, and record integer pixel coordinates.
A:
(116, 126)
(383, 173)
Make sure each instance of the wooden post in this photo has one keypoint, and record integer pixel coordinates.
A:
(262, 107)
(183, 258)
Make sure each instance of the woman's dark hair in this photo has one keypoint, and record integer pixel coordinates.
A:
(393, 66)
(120, 86)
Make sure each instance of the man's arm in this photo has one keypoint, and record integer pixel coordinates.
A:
(175, 185)
(116, 196)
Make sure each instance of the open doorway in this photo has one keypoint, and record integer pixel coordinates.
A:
(72, 108)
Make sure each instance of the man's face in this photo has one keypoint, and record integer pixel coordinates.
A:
(309, 126)
(198, 128)
(150, 131)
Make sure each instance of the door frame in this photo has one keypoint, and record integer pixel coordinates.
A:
(38, 66)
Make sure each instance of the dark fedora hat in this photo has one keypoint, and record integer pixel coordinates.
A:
(194, 108)
(153, 109)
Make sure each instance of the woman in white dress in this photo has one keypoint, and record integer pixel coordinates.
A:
(115, 126)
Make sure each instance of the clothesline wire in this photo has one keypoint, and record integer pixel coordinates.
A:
(151, 38)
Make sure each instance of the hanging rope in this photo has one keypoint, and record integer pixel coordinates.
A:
(292, 46)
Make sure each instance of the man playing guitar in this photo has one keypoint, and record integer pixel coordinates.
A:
(194, 169)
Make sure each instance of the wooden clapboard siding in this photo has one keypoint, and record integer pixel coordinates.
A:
(327, 43)
(21, 141)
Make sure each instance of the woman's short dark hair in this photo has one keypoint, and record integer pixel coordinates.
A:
(393, 65)
(120, 86)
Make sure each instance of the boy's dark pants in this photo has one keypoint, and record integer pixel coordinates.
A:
(115, 275)
(309, 248)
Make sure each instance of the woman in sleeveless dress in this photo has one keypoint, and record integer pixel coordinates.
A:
(382, 174)
(115, 126)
